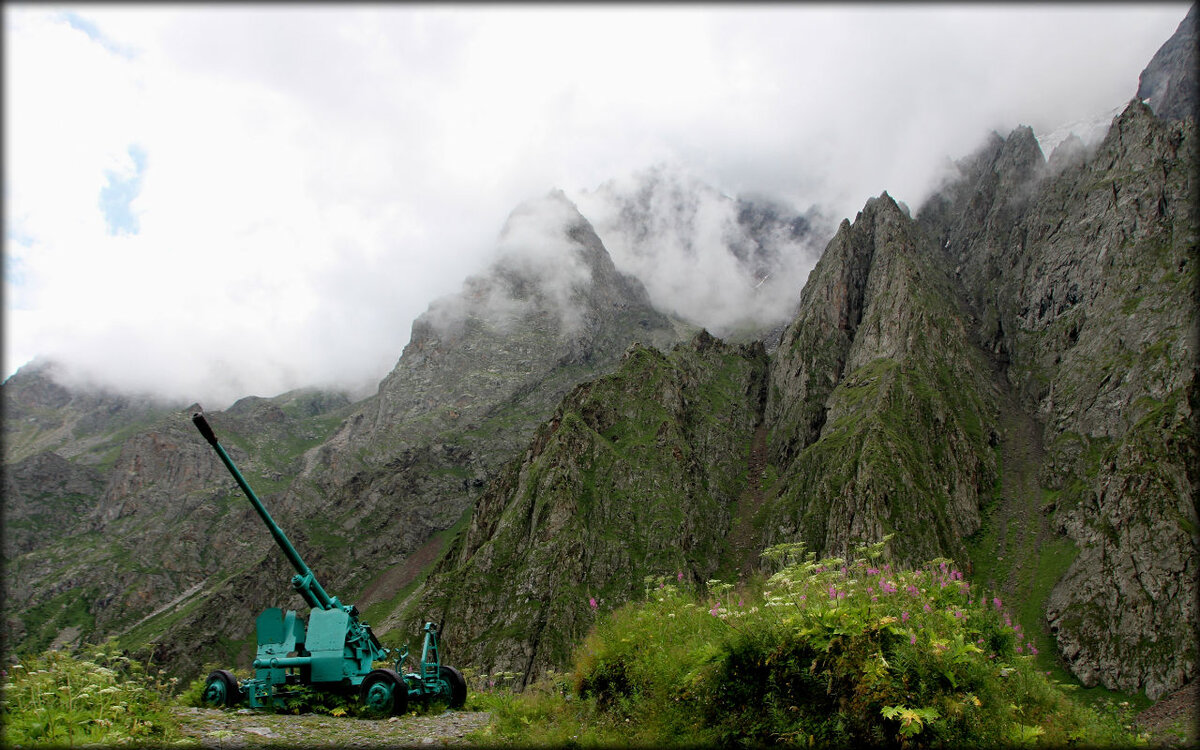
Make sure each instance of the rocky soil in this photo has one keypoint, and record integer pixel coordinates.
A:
(248, 728)
(1173, 721)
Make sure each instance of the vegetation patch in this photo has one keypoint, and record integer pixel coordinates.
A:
(824, 652)
(102, 698)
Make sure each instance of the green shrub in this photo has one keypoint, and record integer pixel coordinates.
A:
(100, 698)
(829, 652)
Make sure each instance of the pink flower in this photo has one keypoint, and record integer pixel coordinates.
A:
(996, 601)
(1032, 649)
(592, 603)
(1019, 648)
(928, 608)
(903, 617)
(912, 639)
(679, 576)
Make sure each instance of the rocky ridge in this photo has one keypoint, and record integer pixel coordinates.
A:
(1057, 335)
(570, 528)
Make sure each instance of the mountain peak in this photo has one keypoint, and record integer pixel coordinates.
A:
(1169, 83)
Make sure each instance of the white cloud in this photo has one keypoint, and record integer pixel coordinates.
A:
(316, 175)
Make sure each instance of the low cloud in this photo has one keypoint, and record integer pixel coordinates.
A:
(315, 176)
(733, 266)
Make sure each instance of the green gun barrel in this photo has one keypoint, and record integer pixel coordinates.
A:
(304, 582)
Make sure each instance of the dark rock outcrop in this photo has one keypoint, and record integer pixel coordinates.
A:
(1170, 84)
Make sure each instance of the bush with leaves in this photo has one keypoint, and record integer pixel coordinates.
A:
(830, 652)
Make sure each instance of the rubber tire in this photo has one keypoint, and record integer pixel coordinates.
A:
(221, 690)
(458, 686)
(398, 702)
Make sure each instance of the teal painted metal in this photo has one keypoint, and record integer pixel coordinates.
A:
(335, 651)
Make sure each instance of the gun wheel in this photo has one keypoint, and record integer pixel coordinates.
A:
(221, 690)
(384, 693)
(458, 686)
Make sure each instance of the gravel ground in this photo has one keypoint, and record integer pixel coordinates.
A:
(1172, 722)
(247, 728)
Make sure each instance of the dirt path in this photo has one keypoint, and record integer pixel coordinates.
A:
(246, 728)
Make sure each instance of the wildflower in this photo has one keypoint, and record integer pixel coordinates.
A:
(1019, 648)
(904, 617)
(714, 610)
(592, 603)
(912, 639)
(679, 576)
(1033, 650)
(928, 608)
(996, 601)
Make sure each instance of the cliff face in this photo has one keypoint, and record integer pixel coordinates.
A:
(1170, 84)
(573, 520)
(1085, 288)
(881, 411)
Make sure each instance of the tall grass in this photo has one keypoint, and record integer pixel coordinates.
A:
(101, 698)
(823, 652)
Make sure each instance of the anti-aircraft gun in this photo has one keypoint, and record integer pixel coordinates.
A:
(336, 651)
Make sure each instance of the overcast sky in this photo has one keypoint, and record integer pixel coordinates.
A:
(211, 202)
